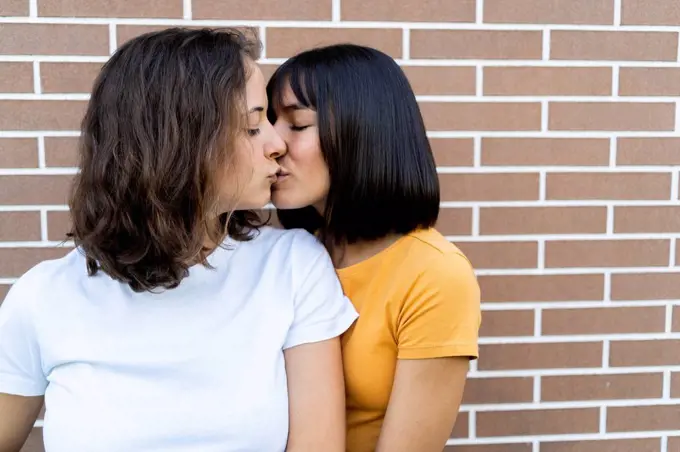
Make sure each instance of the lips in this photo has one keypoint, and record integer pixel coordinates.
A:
(274, 175)
(281, 175)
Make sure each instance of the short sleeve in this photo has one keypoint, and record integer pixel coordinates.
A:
(322, 311)
(441, 315)
(20, 362)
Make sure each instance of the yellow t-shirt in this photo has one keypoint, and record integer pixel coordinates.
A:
(417, 299)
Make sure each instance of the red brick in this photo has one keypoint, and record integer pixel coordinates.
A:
(558, 355)
(646, 81)
(472, 116)
(268, 70)
(14, 262)
(453, 221)
(636, 219)
(126, 32)
(646, 286)
(477, 44)
(612, 445)
(528, 288)
(663, 352)
(484, 255)
(507, 323)
(643, 418)
(675, 385)
(601, 387)
(68, 77)
(16, 77)
(18, 153)
(112, 8)
(514, 447)
(542, 220)
(16, 226)
(261, 9)
(498, 390)
(4, 288)
(537, 422)
(607, 253)
(615, 116)
(628, 320)
(453, 151)
(434, 80)
(286, 42)
(609, 186)
(547, 81)
(613, 45)
(645, 12)
(398, 10)
(576, 12)
(54, 39)
(462, 427)
(545, 151)
(16, 190)
(41, 114)
(58, 224)
(648, 151)
(14, 7)
(61, 151)
(497, 187)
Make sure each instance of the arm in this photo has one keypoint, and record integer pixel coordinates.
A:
(316, 392)
(316, 386)
(22, 383)
(18, 415)
(437, 335)
(424, 404)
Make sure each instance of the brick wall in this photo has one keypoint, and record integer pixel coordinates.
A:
(555, 126)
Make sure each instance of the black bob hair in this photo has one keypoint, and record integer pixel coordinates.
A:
(383, 177)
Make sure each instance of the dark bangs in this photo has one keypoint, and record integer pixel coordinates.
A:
(303, 82)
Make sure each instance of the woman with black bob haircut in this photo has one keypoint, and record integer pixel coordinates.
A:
(360, 175)
(178, 322)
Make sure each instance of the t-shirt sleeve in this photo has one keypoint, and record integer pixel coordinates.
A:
(322, 311)
(20, 361)
(442, 315)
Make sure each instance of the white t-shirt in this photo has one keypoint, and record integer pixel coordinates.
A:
(196, 368)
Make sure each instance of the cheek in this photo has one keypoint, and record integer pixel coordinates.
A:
(310, 165)
(244, 158)
(306, 153)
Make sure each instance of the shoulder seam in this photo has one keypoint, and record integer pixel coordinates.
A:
(455, 251)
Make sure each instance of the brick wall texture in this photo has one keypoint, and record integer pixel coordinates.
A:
(556, 128)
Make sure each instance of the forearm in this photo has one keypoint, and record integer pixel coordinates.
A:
(424, 405)
(18, 415)
(316, 398)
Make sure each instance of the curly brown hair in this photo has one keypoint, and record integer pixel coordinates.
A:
(159, 130)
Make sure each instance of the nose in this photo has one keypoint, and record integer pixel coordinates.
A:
(275, 147)
(281, 130)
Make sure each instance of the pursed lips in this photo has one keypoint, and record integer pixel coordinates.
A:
(281, 175)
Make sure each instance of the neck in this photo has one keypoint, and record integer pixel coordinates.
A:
(345, 255)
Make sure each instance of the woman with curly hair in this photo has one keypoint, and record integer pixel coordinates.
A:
(179, 322)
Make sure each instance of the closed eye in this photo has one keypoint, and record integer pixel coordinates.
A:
(298, 128)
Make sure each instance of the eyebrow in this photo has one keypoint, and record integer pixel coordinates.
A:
(295, 106)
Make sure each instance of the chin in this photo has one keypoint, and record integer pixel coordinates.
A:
(285, 202)
(253, 204)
